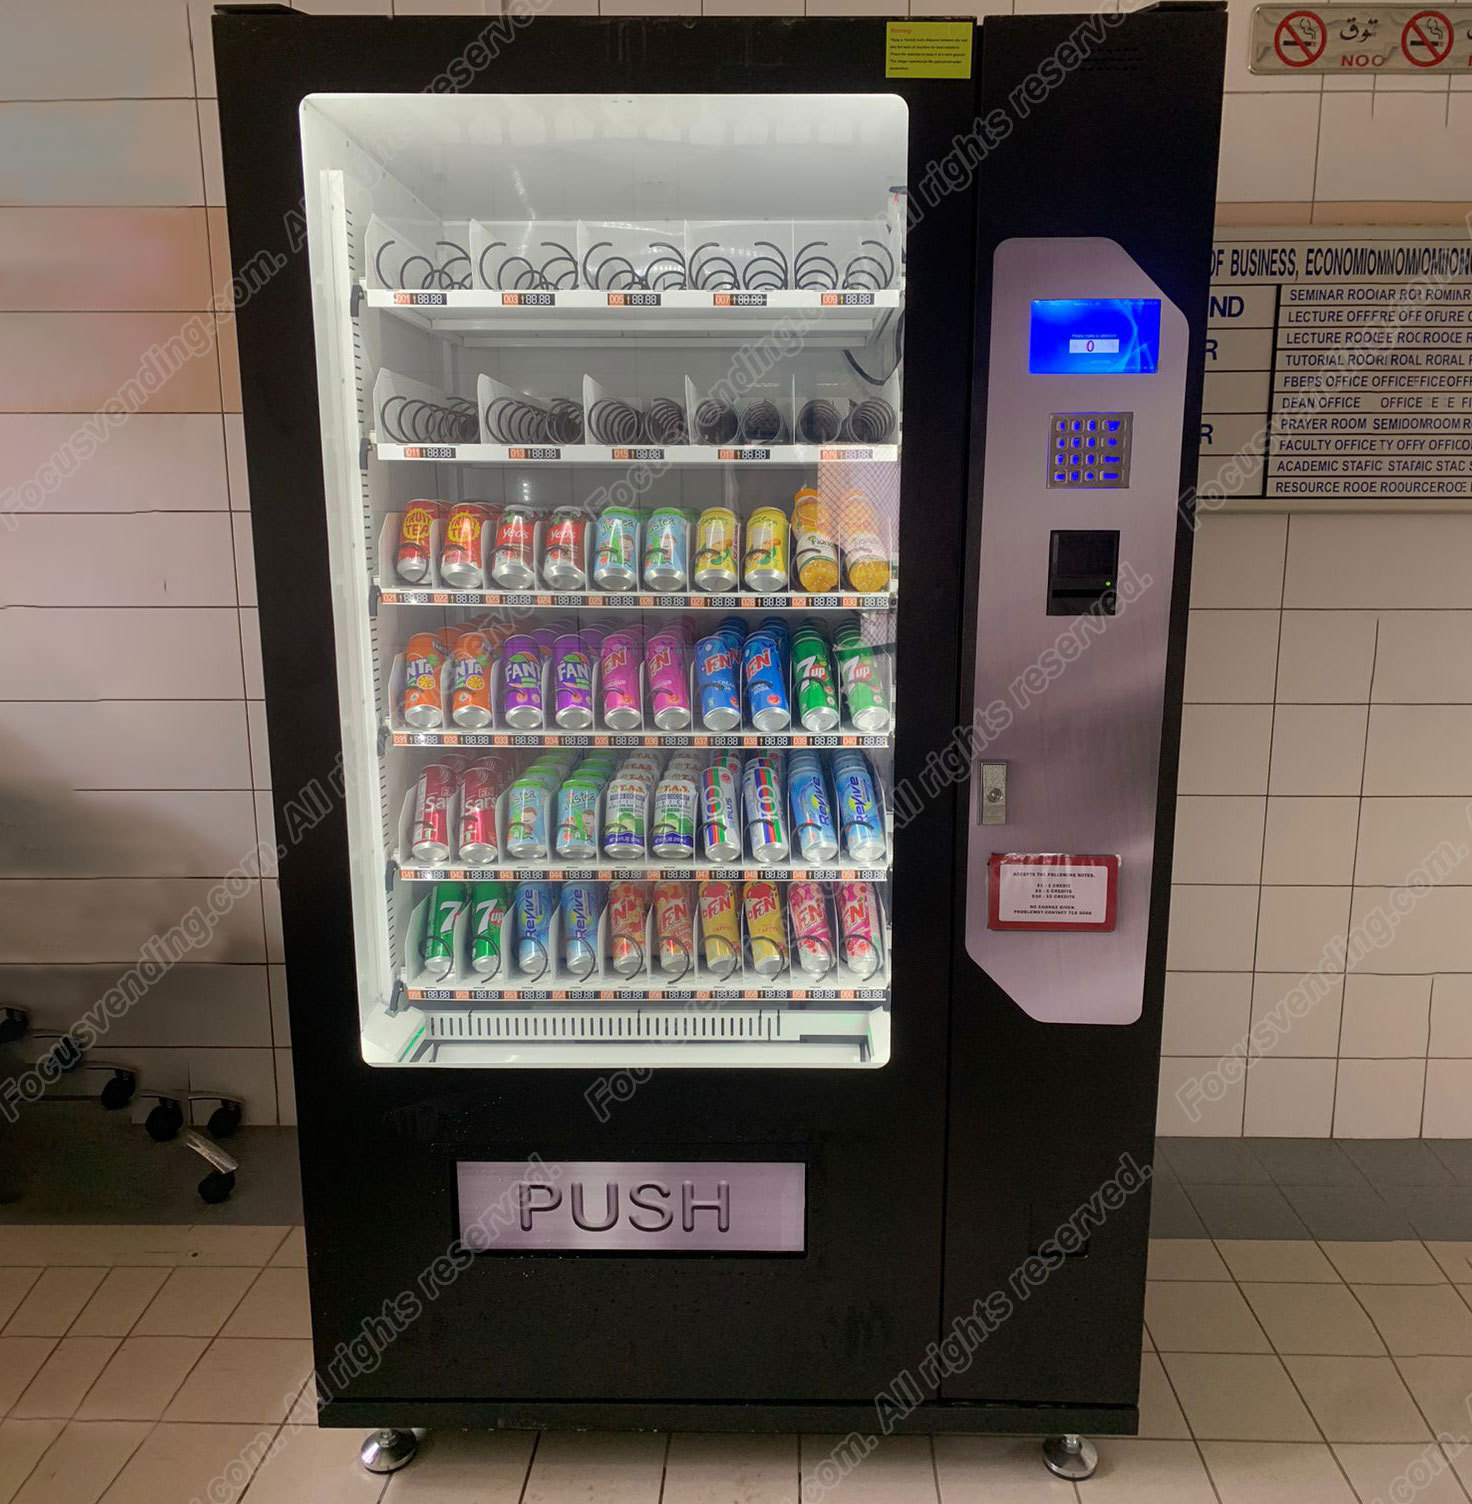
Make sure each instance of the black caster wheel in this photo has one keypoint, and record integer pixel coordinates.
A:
(119, 1091)
(13, 1025)
(216, 1186)
(164, 1122)
(224, 1120)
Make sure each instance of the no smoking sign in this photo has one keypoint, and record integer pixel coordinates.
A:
(1386, 39)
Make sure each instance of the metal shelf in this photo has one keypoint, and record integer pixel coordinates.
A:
(678, 456)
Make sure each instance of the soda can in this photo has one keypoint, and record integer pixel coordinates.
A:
(526, 820)
(424, 702)
(858, 672)
(765, 931)
(674, 928)
(626, 820)
(513, 565)
(445, 903)
(470, 700)
(521, 682)
(480, 787)
(764, 676)
(577, 818)
(674, 820)
(720, 828)
(667, 673)
(579, 907)
(533, 928)
(858, 921)
(719, 932)
(616, 549)
(812, 812)
(717, 542)
(619, 688)
(462, 560)
(814, 683)
(765, 560)
(488, 907)
(865, 557)
(807, 913)
(563, 565)
(860, 816)
(814, 543)
(416, 529)
(429, 838)
(572, 681)
(667, 549)
(766, 812)
(716, 687)
(733, 629)
(628, 916)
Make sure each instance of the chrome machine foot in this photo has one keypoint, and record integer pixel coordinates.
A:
(388, 1451)
(1073, 1457)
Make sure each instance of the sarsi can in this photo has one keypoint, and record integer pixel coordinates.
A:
(430, 838)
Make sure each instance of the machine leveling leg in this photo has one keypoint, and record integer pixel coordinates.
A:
(1073, 1457)
(388, 1451)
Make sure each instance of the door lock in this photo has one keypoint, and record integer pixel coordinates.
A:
(991, 801)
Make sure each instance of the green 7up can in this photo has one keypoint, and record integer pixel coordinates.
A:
(488, 905)
(813, 679)
(858, 672)
(445, 903)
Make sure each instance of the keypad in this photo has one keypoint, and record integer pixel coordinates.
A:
(1089, 451)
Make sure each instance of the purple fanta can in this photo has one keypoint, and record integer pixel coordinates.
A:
(618, 663)
(572, 680)
(521, 683)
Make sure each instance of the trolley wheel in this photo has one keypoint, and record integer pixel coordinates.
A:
(216, 1186)
(118, 1092)
(13, 1025)
(224, 1120)
(164, 1122)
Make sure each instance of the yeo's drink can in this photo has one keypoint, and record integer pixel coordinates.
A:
(764, 677)
(480, 787)
(814, 684)
(720, 827)
(766, 811)
(429, 839)
(488, 905)
(717, 542)
(579, 908)
(572, 679)
(765, 560)
(462, 565)
(716, 686)
(858, 672)
(674, 820)
(619, 689)
(513, 565)
(563, 543)
(533, 928)
(667, 549)
(616, 549)
(411, 561)
(807, 913)
(521, 682)
(446, 900)
(812, 810)
(424, 660)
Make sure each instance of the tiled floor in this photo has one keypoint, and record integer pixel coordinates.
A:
(166, 1365)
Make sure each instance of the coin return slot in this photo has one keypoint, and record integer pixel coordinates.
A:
(1082, 568)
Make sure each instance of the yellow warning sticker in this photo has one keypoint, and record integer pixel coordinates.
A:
(928, 49)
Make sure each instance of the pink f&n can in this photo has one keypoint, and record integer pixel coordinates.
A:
(521, 682)
(667, 668)
(807, 910)
(858, 917)
(618, 663)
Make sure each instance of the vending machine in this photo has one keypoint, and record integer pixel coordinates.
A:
(721, 498)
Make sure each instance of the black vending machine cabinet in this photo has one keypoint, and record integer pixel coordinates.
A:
(725, 967)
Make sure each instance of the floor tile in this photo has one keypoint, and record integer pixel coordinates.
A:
(1306, 1161)
(22, 1444)
(70, 1370)
(1214, 1161)
(292, 1254)
(316, 1467)
(898, 1470)
(1171, 1214)
(1396, 1161)
(599, 1467)
(1313, 1319)
(13, 1289)
(118, 1302)
(78, 1246)
(1455, 1259)
(475, 1467)
(1132, 1471)
(53, 1301)
(730, 1470)
(1238, 1397)
(1253, 1473)
(233, 1244)
(1460, 1456)
(1347, 1212)
(141, 1378)
(1419, 1319)
(1456, 1155)
(1400, 1262)
(1443, 1212)
(274, 1306)
(212, 1463)
(244, 1378)
(1160, 1413)
(1198, 1317)
(1278, 1260)
(989, 1470)
(1246, 1211)
(1384, 1472)
(1185, 1258)
(194, 1302)
(20, 1360)
(1441, 1386)
(1358, 1399)
(82, 1461)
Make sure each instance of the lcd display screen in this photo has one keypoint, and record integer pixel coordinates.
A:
(1094, 336)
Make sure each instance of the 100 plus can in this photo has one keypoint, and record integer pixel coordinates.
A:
(766, 811)
(616, 549)
(717, 541)
(720, 828)
(430, 837)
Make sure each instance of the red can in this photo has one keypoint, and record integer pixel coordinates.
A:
(562, 550)
(479, 789)
(430, 837)
(412, 560)
(462, 561)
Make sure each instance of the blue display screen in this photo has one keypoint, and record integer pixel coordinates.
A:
(1094, 336)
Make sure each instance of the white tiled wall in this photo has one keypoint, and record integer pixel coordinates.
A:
(1330, 676)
